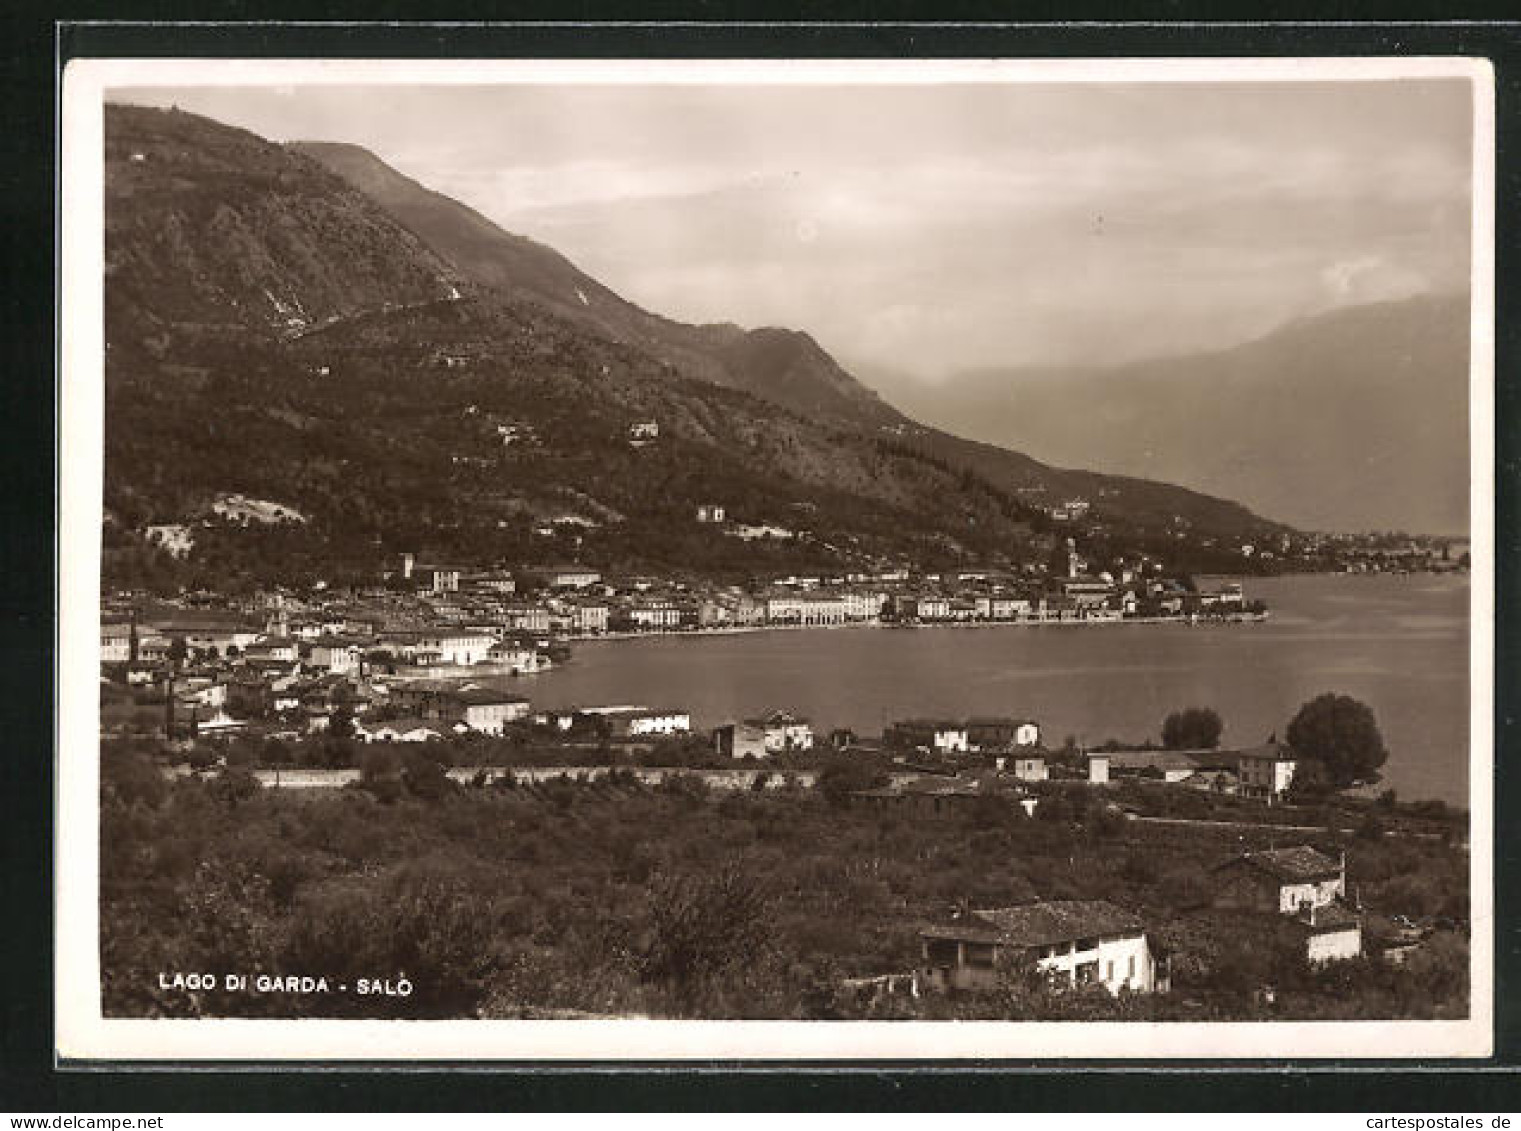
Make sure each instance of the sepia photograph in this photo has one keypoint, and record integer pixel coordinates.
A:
(776, 559)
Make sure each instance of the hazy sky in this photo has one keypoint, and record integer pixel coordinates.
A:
(931, 228)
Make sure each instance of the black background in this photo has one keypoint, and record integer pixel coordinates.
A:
(38, 40)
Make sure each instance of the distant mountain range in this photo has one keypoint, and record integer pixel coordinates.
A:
(1353, 420)
(303, 325)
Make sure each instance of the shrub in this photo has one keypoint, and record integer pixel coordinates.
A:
(131, 777)
(233, 786)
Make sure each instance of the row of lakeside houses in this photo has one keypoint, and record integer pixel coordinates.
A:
(449, 615)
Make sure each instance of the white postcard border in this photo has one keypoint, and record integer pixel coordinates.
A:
(82, 1034)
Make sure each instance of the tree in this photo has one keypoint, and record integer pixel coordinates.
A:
(844, 775)
(1342, 735)
(131, 776)
(380, 772)
(234, 785)
(424, 777)
(341, 723)
(1193, 728)
(1309, 785)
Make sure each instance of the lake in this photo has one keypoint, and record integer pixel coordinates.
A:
(1399, 644)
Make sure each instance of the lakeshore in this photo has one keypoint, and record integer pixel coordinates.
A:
(699, 632)
(1397, 643)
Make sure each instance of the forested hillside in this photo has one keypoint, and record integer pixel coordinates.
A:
(274, 332)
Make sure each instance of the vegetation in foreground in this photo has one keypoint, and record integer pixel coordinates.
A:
(575, 899)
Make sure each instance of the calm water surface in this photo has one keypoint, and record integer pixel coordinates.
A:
(1399, 644)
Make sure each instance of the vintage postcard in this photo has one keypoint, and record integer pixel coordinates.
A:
(789, 560)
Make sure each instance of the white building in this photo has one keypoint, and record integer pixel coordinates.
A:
(489, 712)
(664, 721)
(942, 736)
(279, 648)
(807, 608)
(1299, 882)
(655, 615)
(863, 604)
(115, 643)
(1027, 767)
(462, 648)
(589, 616)
(404, 730)
(564, 576)
(775, 733)
(517, 658)
(1266, 771)
(335, 656)
(1003, 608)
(1077, 943)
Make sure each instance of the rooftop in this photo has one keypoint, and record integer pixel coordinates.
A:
(1275, 751)
(930, 724)
(1038, 924)
(1298, 863)
(1330, 917)
(777, 719)
(1151, 759)
(405, 725)
(562, 567)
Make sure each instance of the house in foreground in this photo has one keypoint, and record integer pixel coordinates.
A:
(1299, 882)
(1076, 942)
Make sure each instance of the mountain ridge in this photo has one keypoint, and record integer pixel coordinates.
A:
(1267, 421)
(524, 268)
(317, 353)
(783, 365)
